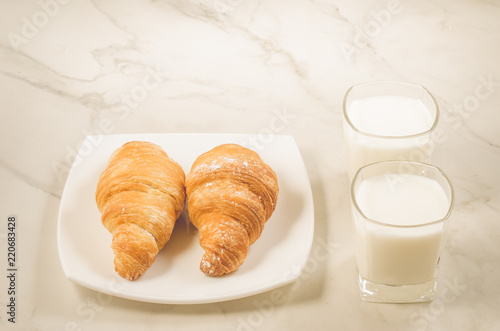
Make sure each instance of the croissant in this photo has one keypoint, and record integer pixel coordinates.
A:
(231, 195)
(140, 195)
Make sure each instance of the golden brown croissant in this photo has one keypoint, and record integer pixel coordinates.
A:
(140, 194)
(231, 195)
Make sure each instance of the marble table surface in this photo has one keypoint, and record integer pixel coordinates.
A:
(73, 68)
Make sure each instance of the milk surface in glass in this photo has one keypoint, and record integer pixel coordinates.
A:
(386, 116)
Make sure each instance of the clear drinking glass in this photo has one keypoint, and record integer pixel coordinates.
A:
(401, 214)
(386, 120)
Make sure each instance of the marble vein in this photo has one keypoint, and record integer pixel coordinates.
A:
(30, 180)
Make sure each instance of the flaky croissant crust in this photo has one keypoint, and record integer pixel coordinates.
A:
(231, 195)
(140, 195)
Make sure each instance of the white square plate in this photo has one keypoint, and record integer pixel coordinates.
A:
(275, 259)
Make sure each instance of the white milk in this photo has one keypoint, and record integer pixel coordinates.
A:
(386, 116)
(400, 255)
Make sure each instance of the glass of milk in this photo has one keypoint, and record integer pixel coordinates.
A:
(388, 121)
(401, 212)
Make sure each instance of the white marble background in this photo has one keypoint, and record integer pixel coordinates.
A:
(70, 68)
